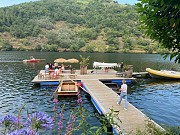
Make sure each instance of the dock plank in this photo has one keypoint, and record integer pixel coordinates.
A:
(106, 99)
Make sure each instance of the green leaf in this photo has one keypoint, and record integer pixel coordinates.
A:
(139, 4)
(172, 22)
(105, 128)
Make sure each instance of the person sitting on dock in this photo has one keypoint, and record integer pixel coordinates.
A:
(55, 65)
(47, 68)
(106, 69)
(62, 68)
(123, 94)
(56, 72)
(50, 66)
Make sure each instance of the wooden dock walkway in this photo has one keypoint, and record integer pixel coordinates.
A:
(106, 99)
(132, 119)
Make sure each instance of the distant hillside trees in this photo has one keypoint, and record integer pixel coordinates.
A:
(89, 33)
(83, 22)
(25, 17)
(64, 38)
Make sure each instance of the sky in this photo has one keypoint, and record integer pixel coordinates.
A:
(131, 2)
(4, 3)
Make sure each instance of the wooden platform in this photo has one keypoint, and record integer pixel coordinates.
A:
(132, 119)
(98, 74)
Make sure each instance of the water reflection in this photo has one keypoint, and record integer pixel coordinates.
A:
(158, 99)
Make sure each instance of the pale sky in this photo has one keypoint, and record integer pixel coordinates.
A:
(131, 2)
(4, 3)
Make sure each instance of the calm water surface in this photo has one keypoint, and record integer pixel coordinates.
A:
(158, 99)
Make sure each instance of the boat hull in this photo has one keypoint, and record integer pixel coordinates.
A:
(165, 74)
(67, 89)
(33, 61)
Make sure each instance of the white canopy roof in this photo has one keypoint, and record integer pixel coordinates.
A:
(105, 65)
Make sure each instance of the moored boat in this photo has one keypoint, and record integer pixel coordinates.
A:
(32, 59)
(67, 88)
(35, 60)
(105, 65)
(166, 74)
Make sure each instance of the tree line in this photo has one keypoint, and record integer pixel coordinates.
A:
(85, 21)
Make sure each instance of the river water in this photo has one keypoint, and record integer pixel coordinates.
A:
(158, 99)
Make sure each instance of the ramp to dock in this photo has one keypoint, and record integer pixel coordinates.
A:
(106, 99)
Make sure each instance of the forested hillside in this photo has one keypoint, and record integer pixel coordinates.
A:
(73, 25)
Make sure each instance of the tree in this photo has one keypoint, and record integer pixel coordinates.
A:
(128, 44)
(6, 46)
(38, 48)
(161, 21)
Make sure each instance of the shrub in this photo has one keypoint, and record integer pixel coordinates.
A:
(6, 46)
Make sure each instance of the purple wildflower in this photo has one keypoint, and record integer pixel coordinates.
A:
(73, 118)
(68, 128)
(79, 98)
(60, 123)
(23, 131)
(39, 120)
(78, 93)
(9, 120)
(70, 124)
(55, 101)
(54, 108)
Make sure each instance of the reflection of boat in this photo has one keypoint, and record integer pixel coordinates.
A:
(32, 59)
(113, 86)
(163, 74)
(69, 88)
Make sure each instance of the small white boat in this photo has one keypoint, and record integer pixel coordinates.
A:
(167, 74)
(67, 88)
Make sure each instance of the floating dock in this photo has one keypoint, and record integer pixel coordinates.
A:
(46, 79)
(105, 99)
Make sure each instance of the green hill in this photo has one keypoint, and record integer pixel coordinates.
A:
(73, 25)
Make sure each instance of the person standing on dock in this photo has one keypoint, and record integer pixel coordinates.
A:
(122, 65)
(123, 94)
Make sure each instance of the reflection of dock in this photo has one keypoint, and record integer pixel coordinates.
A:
(140, 74)
(105, 99)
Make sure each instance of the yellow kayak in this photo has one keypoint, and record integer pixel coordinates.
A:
(163, 74)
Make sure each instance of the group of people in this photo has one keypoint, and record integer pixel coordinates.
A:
(57, 69)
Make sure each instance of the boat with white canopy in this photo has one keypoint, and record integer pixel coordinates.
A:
(105, 65)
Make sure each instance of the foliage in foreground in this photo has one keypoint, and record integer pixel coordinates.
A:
(161, 21)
